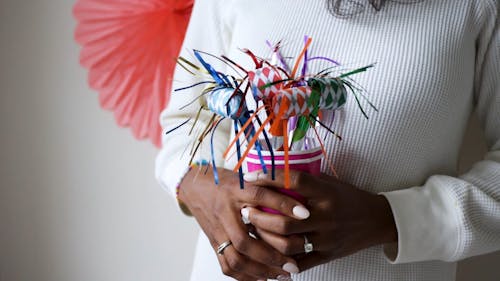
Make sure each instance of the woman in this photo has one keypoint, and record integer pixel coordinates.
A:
(398, 210)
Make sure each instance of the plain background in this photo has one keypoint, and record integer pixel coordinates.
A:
(78, 199)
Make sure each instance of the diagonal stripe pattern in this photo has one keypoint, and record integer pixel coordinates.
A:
(222, 102)
(261, 77)
(295, 101)
(332, 92)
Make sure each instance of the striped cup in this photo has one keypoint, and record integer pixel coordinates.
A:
(308, 161)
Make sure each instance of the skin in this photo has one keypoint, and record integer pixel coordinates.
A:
(218, 211)
(343, 220)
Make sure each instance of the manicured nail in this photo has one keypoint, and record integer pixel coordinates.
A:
(301, 212)
(250, 177)
(253, 235)
(284, 278)
(290, 267)
(245, 215)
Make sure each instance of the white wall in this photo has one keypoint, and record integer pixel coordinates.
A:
(78, 200)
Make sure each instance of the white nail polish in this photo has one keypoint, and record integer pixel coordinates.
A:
(253, 235)
(290, 267)
(245, 215)
(301, 212)
(250, 177)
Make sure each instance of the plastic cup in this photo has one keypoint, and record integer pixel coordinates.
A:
(307, 161)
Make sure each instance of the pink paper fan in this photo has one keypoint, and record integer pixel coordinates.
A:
(129, 47)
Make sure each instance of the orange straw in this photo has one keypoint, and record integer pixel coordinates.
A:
(330, 165)
(302, 54)
(242, 130)
(251, 143)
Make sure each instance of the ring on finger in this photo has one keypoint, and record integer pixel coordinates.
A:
(308, 246)
(223, 246)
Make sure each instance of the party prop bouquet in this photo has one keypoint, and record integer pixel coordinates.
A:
(281, 131)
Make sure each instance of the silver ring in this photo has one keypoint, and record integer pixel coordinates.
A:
(308, 246)
(223, 246)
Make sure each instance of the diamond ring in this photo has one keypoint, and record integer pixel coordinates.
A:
(308, 246)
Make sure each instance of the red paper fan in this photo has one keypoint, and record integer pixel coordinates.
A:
(129, 47)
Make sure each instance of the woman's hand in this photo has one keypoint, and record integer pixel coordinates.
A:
(343, 220)
(217, 210)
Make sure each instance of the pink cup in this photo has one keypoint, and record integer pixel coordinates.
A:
(308, 161)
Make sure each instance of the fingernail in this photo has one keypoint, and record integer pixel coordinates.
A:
(290, 267)
(284, 278)
(253, 235)
(245, 213)
(301, 212)
(250, 177)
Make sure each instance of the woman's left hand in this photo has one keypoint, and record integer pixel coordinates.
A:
(343, 219)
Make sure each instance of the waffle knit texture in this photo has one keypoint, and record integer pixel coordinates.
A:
(437, 61)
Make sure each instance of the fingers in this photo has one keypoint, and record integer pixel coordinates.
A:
(212, 230)
(287, 245)
(240, 267)
(299, 181)
(265, 197)
(326, 177)
(238, 264)
(311, 260)
(232, 263)
(255, 250)
(228, 271)
(278, 224)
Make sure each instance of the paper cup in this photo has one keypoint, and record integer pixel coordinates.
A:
(307, 161)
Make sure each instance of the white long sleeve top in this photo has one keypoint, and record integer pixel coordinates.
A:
(436, 62)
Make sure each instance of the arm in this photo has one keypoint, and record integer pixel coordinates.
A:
(216, 208)
(205, 32)
(448, 218)
(452, 218)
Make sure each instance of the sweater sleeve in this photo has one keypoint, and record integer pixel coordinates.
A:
(207, 31)
(452, 218)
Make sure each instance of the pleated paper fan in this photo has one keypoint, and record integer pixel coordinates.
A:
(129, 48)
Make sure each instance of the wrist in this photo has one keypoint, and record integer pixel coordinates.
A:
(181, 186)
(387, 229)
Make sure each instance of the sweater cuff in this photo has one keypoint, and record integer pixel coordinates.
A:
(427, 223)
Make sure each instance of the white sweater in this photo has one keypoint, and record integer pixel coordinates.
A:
(436, 61)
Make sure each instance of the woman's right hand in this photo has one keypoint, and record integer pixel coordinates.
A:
(217, 208)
